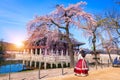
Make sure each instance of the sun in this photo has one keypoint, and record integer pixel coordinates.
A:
(19, 44)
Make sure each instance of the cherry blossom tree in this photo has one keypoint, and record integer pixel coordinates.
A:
(61, 19)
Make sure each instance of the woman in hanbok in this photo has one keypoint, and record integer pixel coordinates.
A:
(81, 68)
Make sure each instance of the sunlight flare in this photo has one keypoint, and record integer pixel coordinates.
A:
(19, 44)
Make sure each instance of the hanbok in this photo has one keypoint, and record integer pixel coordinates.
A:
(81, 67)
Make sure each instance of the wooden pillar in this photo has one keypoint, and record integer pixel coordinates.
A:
(45, 65)
(62, 65)
(67, 55)
(45, 52)
(67, 63)
(28, 51)
(45, 59)
(62, 53)
(23, 59)
(24, 51)
(51, 52)
(57, 53)
(36, 51)
(31, 63)
(31, 51)
(35, 64)
(27, 63)
(66, 52)
(56, 65)
(23, 62)
(51, 65)
(39, 64)
(40, 51)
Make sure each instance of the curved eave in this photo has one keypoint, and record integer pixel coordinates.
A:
(79, 44)
(34, 47)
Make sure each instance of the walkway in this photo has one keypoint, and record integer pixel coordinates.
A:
(45, 74)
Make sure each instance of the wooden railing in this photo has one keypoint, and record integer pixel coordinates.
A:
(43, 58)
(59, 58)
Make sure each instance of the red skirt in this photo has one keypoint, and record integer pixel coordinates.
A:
(81, 67)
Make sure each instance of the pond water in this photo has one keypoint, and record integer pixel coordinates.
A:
(4, 69)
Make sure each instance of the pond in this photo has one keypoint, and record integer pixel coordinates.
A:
(9, 68)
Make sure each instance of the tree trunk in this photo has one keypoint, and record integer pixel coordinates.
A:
(111, 61)
(94, 49)
(70, 46)
(70, 51)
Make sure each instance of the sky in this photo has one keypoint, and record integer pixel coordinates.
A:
(15, 14)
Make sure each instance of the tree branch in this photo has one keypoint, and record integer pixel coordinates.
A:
(57, 25)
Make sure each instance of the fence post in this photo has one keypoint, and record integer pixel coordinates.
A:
(108, 62)
(101, 63)
(10, 71)
(88, 65)
(62, 68)
(39, 70)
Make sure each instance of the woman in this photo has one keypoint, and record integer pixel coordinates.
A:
(81, 67)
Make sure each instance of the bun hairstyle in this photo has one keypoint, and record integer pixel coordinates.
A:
(83, 54)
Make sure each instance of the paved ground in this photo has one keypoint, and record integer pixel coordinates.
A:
(102, 74)
(56, 74)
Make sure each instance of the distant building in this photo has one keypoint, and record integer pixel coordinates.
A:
(53, 54)
(60, 45)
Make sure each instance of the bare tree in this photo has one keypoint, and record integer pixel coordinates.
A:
(113, 25)
(95, 33)
(2, 50)
(117, 1)
(2, 47)
(110, 23)
(113, 16)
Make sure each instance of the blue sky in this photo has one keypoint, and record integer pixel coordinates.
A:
(15, 14)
